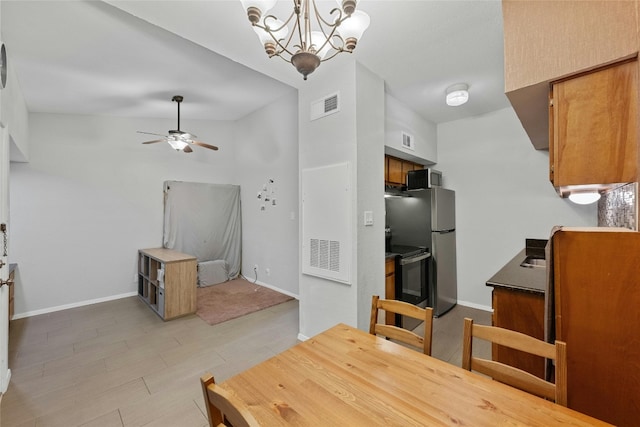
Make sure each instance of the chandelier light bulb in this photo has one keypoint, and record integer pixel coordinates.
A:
(354, 27)
(457, 94)
(272, 24)
(257, 8)
(348, 6)
(317, 40)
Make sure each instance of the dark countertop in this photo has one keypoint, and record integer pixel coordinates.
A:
(513, 276)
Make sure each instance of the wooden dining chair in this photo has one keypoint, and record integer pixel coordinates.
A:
(397, 333)
(513, 376)
(223, 407)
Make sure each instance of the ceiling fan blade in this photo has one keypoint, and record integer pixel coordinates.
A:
(187, 149)
(150, 133)
(154, 141)
(202, 144)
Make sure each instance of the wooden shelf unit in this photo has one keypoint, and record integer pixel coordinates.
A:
(167, 282)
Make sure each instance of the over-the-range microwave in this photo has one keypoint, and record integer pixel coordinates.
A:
(423, 178)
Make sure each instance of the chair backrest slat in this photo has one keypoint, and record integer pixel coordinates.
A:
(401, 334)
(511, 375)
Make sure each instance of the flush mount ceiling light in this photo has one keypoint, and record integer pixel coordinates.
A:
(585, 198)
(457, 94)
(305, 38)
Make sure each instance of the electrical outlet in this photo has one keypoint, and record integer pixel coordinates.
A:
(135, 277)
(268, 271)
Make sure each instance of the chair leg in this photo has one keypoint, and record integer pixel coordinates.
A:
(213, 414)
(374, 314)
(467, 344)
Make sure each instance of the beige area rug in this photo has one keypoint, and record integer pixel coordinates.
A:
(235, 298)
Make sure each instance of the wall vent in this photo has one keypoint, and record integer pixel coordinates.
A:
(325, 106)
(327, 199)
(407, 141)
(324, 254)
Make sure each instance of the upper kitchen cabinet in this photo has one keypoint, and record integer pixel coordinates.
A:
(593, 128)
(546, 41)
(395, 170)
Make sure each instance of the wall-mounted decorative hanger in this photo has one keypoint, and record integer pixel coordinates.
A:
(267, 195)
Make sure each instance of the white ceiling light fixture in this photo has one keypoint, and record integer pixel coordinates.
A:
(457, 94)
(305, 38)
(584, 198)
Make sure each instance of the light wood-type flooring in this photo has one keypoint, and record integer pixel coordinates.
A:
(118, 364)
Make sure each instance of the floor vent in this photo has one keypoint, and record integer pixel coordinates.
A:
(325, 106)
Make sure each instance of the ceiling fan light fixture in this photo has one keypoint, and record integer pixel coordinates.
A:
(178, 139)
(457, 94)
(307, 38)
(177, 143)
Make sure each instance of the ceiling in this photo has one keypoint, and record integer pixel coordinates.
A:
(128, 58)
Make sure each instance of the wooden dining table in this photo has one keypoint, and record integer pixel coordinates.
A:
(347, 377)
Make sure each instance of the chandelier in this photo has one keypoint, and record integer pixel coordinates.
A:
(305, 38)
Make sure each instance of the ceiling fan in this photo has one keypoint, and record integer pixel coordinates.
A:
(178, 139)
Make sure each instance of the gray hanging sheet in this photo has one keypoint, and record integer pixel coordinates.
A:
(204, 220)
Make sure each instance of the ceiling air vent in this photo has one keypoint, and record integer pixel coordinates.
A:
(325, 106)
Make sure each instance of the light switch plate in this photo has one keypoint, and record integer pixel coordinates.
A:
(368, 218)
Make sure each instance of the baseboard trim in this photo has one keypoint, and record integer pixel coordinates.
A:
(73, 305)
(5, 382)
(302, 337)
(274, 288)
(476, 306)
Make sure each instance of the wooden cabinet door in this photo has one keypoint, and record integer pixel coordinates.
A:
(406, 167)
(395, 170)
(522, 312)
(594, 135)
(597, 295)
(390, 287)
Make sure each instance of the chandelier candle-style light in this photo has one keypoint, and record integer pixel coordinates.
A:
(306, 38)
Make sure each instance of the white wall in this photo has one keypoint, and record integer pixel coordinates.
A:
(503, 196)
(267, 148)
(328, 141)
(370, 119)
(400, 118)
(91, 196)
(353, 135)
(14, 115)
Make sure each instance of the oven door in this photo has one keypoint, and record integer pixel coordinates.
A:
(412, 286)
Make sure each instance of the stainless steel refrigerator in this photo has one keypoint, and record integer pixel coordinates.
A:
(427, 218)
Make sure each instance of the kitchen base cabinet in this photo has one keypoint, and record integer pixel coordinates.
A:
(519, 311)
(167, 281)
(390, 286)
(597, 295)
